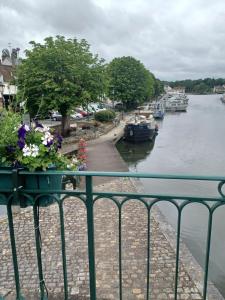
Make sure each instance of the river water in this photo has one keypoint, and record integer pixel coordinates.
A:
(189, 143)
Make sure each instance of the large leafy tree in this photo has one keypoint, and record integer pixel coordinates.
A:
(59, 74)
(129, 81)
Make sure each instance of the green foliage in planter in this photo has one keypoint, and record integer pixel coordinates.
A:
(9, 123)
(34, 146)
(105, 115)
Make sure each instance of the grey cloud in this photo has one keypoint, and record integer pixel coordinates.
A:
(71, 16)
(175, 39)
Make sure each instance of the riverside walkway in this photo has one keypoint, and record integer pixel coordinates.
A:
(102, 155)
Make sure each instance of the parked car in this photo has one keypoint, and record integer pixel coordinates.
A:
(82, 112)
(76, 116)
(56, 116)
(95, 107)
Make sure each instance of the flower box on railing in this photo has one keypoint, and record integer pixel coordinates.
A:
(32, 147)
(12, 185)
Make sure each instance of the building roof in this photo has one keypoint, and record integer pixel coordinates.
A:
(6, 72)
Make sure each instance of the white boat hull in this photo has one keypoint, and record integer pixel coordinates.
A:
(174, 109)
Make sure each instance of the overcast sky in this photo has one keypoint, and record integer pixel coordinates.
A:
(175, 39)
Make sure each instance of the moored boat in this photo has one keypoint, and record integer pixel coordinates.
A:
(159, 110)
(176, 103)
(145, 110)
(154, 108)
(140, 130)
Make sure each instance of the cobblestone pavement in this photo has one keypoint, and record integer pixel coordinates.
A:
(134, 252)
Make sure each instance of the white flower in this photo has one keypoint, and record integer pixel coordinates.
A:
(40, 129)
(26, 127)
(47, 138)
(35, 150)
(74, 160)
(31, 150)
(46, 129)
(26, 151)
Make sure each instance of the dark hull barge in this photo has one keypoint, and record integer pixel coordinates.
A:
(140, 132)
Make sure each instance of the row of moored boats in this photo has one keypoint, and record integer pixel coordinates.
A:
(142, 126)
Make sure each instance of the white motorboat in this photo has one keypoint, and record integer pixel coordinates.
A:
(177, 102)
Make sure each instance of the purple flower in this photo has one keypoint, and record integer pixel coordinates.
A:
(59, 137)
(49, 143)
(82, 167)
(22, 131)
(59, 140)
(21, 143)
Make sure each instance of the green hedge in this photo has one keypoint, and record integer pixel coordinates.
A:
(105, 115)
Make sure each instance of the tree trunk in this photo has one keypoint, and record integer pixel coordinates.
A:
(65, 126)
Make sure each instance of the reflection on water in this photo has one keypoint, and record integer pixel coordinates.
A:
(189, 143)
(132, 153)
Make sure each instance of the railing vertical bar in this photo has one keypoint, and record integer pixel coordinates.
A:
(208, 244)
(38, 251)
(63, 243)
(14, 253)
(148, 257)
(90, 228)
(177, 255)
(15, 198)
(120, 255)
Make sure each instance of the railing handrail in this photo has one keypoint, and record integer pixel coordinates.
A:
(123, 174)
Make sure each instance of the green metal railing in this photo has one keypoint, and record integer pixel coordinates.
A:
(9, 196)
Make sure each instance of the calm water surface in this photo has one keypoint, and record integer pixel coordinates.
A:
(189, 143)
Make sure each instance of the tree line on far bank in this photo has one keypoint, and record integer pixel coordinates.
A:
(199, 86)
(61, 73)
